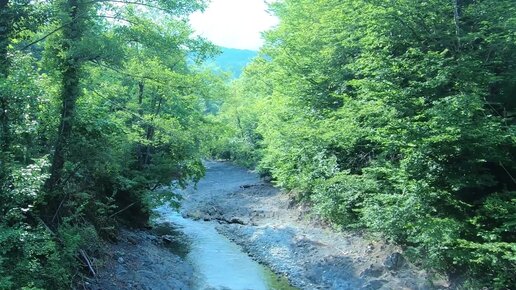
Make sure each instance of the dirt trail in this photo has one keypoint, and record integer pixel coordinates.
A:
(274, 231)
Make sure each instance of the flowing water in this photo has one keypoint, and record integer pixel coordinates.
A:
(219, 264)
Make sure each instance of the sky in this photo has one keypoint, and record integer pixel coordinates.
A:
(234, 23)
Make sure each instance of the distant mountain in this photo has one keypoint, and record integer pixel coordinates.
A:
(233, 60)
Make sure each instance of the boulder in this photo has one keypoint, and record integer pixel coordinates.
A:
(372, 271)
(394, 261)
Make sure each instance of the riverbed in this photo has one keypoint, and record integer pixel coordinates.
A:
(235, 231)
(217, 262)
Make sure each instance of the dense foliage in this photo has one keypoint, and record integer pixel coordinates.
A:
(100, 103)
(397, 116)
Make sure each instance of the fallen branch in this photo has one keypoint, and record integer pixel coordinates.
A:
(90, 266)
(124, 209)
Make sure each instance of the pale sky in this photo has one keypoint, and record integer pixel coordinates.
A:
(234, 23)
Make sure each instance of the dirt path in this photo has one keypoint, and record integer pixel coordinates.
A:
(271, 229)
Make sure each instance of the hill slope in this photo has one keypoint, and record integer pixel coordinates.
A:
(233, 60)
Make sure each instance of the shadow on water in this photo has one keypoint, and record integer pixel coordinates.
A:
(218, 263)
(173, 238)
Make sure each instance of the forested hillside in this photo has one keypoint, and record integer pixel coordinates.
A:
(99, 105)
(392, 116)
(233, 60)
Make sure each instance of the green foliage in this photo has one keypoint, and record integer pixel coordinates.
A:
(30, 259)
(397, 116)
(30, 254)
(100, 106)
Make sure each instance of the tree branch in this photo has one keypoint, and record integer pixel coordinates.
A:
(45, 36)
(66, 24)
(132, 3)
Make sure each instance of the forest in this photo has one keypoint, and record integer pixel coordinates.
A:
(392, 116)
(101, 102)
(395, 117)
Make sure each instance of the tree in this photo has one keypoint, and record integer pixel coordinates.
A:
(101, 111)
(17, 18)
(396, 116)
(79, 41)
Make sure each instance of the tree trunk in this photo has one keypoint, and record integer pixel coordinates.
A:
(70, 91)
(5, 29)
(140, 150)
(5, 133)
(456, 19)
(150, 134)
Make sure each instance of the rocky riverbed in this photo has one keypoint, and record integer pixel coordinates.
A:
(140, 260)
(270, 228)
(284, 236)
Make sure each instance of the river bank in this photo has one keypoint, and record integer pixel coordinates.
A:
(185, 250)
(140, 260)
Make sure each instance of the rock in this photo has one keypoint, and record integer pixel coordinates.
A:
(152, 239)
(372, 271)
(120, 260)
(120, 271)
(167, 239)
(374, 284)
(237, 220)
(426, 285)
(394, 261)
(132, 240)
(212, 210)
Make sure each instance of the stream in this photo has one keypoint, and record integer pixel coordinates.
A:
(231, 215)
(218, 263)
